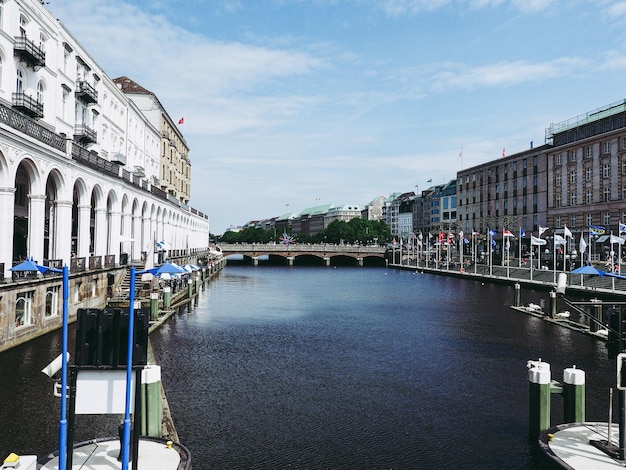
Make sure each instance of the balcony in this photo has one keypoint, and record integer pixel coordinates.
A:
(119, 158)
(84, 134)
(28, 105)
(17, 120)
(28, 52)
(86, 93)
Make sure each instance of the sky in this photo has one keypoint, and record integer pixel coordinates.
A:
(290, 104)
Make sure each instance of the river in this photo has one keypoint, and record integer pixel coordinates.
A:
(339, 368)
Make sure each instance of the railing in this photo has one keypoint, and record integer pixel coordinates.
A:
(28, 104)
(84, 133)
(86, 92)
(32, 54)
(28, 126)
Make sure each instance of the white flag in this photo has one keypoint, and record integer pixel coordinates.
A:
(615, 239)
(567, 232)
(537, 241)
(542, 229)
(559, 240)
(582, 247)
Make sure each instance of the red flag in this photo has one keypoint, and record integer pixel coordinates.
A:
(181, 120)
(503, 153)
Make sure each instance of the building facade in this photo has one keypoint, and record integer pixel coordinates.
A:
(78, 167)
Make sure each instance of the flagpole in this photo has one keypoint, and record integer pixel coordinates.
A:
(519, 262)
(474, 249)
(554, 258)
(530, 266)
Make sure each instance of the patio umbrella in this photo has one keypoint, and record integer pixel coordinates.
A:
(587, 270)
(29, 265)
(167, 268)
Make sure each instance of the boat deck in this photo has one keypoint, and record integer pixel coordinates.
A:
(570, 446)
(102, 455)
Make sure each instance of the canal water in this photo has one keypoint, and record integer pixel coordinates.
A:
(336, 368)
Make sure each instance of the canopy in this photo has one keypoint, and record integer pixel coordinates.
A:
(167, 268)
(29, 266)
(587, 270)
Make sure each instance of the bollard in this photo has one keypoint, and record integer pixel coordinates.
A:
(573, 395)
(189, 289)
(596, 314)
(518, 296)
(539, 397)
(152, 413)
(552, 304)
(167, 297)
(154, 305)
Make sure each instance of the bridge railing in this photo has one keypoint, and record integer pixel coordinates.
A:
(297, 248)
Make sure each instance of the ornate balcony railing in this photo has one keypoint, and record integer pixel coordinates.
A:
(15, 119)
(86, 92)
(85, 134)
(28, 105)
(29, 52)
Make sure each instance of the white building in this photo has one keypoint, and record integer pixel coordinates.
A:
(79, 165)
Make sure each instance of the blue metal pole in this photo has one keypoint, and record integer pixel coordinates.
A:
(63, 421)
(129, 369)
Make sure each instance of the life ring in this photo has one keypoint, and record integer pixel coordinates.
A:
(462, 270)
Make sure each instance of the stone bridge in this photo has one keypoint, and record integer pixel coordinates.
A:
(374, 255)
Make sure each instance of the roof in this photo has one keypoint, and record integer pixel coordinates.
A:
(129, 86)
(317, 210)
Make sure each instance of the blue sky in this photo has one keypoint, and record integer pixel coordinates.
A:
(307, 102)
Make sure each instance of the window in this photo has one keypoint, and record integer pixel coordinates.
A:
(588, 151)
(606, 194)
(557, 179)
(572, 221)
(572, 177)
(624, 191)
(606, 218)
(572, 155)
(623, 167)
(589, 219)
(589, 196)
(52, 302)
(40, 92)
(557, 200)
(606, 170)
(623, 143)
(557, 221)
(557, 160)
(589, 173)
(19, 85)
(23, 309)
(572, 199)
(606, 148)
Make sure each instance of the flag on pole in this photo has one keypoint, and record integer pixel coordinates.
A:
(622, 228)
(596, 230)
(559, 240)
(567, 232)
(616, 239)
(181, 120)
(522, 233)
(537, 241)
(492, 233)
(503, 152)
(542, 229)
(507, 233)
(582, 247)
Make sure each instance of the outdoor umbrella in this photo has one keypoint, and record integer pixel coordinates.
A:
(167, 268)
(587, 270)
(30, 266)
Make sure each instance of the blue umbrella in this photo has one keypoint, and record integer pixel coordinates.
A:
(587, 270)
(167, 268)
(30, 266)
